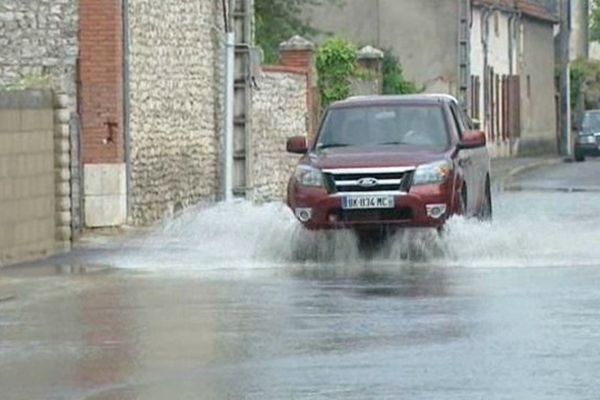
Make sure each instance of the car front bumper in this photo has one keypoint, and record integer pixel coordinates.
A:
(588, 149)
(410, 209)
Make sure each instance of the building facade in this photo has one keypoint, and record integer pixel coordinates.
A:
(145, 84)
(509, 58)
(512, 76)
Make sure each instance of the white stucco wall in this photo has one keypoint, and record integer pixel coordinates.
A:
(498, 58)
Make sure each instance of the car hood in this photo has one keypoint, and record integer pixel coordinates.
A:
(376, 157)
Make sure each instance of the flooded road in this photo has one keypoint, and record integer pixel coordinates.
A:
(218, 304)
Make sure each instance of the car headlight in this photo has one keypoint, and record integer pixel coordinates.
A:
(436, 172)
(308, 176)
(586, 139)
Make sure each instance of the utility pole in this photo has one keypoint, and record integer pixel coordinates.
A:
(565, 81)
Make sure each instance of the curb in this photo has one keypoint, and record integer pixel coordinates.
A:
(7, 297)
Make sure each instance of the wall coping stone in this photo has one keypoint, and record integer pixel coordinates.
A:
(370, 53)
(26, 99)
(297, 43)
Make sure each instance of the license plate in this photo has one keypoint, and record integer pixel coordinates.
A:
(367, 202)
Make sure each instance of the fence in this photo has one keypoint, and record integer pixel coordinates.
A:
(34, 177)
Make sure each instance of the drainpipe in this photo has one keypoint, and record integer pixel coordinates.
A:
(485, 32)
(515, 18)
(511, 44)
(229, 107)
(126, 104)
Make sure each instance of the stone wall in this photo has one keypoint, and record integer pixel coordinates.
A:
(279, 111)
(27, 185)
(40, 39)
(175, 56)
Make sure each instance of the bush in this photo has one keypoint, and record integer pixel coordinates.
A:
(336, 66)
(393, 77)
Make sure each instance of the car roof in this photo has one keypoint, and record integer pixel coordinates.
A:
(396, 99)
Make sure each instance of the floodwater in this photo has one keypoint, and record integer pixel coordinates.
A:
(221, 304)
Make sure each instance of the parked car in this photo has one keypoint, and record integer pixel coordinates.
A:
(587, 140)
(391, 162)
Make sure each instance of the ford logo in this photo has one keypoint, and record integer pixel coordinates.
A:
(367, 182)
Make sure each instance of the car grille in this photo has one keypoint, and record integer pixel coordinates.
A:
(401, 214)
(368, 180)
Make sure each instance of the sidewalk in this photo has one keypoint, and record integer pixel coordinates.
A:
(504, 169)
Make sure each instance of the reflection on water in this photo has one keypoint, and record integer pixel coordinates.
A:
(323, 320)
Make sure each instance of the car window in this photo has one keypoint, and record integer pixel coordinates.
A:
(458, 123)
(405, 125)
(591, 122)
(467, 123)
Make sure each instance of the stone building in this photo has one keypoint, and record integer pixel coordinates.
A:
(145, 87)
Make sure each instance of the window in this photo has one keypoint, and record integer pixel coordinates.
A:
(458, 122)
(385, 125)
(528, 86)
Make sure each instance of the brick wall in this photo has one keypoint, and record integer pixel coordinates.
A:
(27, 185)
(101, 74)
(101, 109)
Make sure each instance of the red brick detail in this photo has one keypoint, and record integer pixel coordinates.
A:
(101, 81)
(285, 70)
(297, 58)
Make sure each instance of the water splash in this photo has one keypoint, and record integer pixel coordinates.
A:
(529, 230)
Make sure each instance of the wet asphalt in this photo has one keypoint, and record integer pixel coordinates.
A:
(215, 305)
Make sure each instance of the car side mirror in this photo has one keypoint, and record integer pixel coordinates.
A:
(297, 145)
(472, 140)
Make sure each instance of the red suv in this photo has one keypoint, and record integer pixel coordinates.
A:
(391, 162)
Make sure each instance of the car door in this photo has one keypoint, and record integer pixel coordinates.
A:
(465, 161)
(480, 166)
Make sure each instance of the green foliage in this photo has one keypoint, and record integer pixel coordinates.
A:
(279, 20)
(595, 20)
(336, 66)
(585, 82)
(28, 82)
(393, 77)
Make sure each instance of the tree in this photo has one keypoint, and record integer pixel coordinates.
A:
(595, 20)
(279, 20)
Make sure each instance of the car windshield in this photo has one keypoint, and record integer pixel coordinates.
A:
(406, 125)
(591, 122)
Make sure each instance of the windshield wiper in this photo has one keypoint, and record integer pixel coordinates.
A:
(331, 145)
(391, 143)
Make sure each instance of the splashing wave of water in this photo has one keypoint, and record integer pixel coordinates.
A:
(528, 230)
